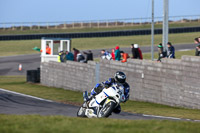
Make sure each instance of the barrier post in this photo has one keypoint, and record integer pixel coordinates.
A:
(97, 73)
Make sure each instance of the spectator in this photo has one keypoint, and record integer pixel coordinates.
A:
(80, 58)
(125, 56)
(48, 49)
(160, 52)
(136, 52)
(171, 50)
(61, 56)
(76, 51)
(139, 50)
(113, 54)
(132, 50)
(117, 53)
(89, 56)
(197, 42)
(69, 56)
(105, 55)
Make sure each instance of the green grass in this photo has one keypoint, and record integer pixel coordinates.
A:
(18, 84)
(61, 124)
(8, 48)
(142, 26)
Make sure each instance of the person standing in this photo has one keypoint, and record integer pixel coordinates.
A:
(160, 52)
(117, 53)
(197, 42)
(171, 50)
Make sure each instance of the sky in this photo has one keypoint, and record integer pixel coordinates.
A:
(80, 10)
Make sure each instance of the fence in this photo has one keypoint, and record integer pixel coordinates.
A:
(98, 34)
(94, 23)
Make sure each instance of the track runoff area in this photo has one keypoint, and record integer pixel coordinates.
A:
(17, 103)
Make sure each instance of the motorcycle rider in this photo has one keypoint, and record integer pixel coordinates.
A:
(119, 77)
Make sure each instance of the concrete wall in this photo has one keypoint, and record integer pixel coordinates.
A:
(172, 82)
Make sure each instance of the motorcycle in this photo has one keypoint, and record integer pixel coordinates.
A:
(103, 104)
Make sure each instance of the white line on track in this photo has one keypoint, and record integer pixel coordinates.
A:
(164, 117)
(25, 95)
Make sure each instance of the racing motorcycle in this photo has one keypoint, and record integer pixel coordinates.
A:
(103, 104)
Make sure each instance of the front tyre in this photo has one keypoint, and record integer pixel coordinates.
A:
(81, 112)
(107, 110)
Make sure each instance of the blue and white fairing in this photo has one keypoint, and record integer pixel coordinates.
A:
(114, 93)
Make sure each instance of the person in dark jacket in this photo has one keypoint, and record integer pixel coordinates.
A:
(171, 50)
(89, 56)
(197, 42)
(136, 52)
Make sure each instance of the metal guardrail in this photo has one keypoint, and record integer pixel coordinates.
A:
(93, 23)
(98, 34)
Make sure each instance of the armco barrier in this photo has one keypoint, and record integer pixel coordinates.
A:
(98, 34)
(173, 82)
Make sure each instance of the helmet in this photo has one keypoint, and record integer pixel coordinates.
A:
(120, 77)
(136, 46)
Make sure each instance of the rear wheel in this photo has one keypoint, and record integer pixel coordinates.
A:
(107, 109)
(81, 112)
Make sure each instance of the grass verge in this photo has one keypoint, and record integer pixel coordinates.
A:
(8, 48)
(61, 124)
(18, 84)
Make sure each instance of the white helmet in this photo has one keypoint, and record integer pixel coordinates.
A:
(136, 46)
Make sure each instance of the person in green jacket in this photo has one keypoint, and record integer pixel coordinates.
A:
(69, 56)
(117, 53)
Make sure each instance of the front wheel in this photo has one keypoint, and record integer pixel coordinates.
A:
(81, 112)
(107, 109)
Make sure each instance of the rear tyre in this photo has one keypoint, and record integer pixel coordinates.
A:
(81, 112)
(107, 110)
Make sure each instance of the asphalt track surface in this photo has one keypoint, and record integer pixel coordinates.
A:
(9, 65)
(21, 104)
